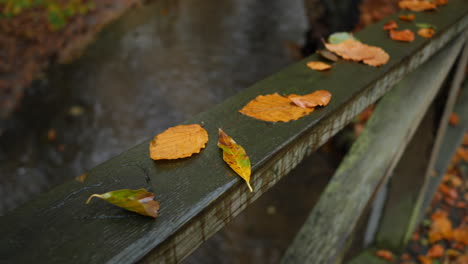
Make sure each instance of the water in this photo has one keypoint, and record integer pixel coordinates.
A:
(154, 68)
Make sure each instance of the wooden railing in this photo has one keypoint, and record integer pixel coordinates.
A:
(199, 195)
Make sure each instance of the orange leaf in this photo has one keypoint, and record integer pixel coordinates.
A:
(441, 227)
(462, 259)
(462, 153)
(139, 201)
(447, 191)
(354, 50)
(317, 98)
(318, 65)
(436, 251)
(408, 18)
(82, 177)
(441, 2)
(461, 235)
(453, 119)
(384, 254)
(417, 5)
(235, 156)
(178, 142)
(390, 25)
(402, 35)
(274, 108)
(426, 32)
(425, 260)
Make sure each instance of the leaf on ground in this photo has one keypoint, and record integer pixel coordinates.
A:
(462, 153)
(318, 65)
(317, 98)
(139, 201)
(436, 251)
(274, 108)
(356, 51)
(408, 18)
(417, 5)
(327, 55)
(390, 25)
(424, 260)
(460, 235)
(441, 227)
(384, 254)
(426, 32)
(454, 119)
(235, 156)
(402, 35)
(178, 142)
(339, 37)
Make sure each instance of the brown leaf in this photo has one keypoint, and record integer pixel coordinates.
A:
(384, 254)
(390, 25)
(274, 108)
(408, 18)
(327, 55)
(354, 50)
(317, 98)
(426, 32)
(82, 177)
(448, 192)
(462, 259)
(454, 119)
(424, 260)
(178, 142)
(441, 227)
(417, 5)
(460, 235)
(436, 251)
(462, 153)
(318, 65)
(402, 35)
(139, 201)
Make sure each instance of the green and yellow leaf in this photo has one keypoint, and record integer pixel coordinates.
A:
(139, 201)
(235, 156)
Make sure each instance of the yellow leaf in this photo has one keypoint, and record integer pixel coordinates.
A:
(235, 156)
(178, 142)
(318, 65)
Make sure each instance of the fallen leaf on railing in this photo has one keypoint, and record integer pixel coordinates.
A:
(402, 35)
(351, 49)
(417, 5)
(317, 98)
(318, 65)
(426, 32)
(139, 201)
(235, 156)
(327, 55)
(390, 25)
(441, 2)
(384, 254)
(339, 37)
(178, 142)
(425, 25)
(408, 18)
(274, 108)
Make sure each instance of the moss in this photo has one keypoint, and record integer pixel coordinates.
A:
(58, 11)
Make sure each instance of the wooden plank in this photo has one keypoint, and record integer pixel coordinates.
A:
(201, 194)
(371, 158)
(403, 206)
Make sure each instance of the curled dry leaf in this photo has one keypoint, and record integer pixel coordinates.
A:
(417, 5)
(426, 32)
(408, 18)
(274, 108)
(327, 55)
(351, 49)
(402, 35)
(390, 25)
(317, 98)
(384, 254)
(235, 156)
(178, 142)
(139, 201)
(318, 65)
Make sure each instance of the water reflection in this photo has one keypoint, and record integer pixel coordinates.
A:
(156, 67)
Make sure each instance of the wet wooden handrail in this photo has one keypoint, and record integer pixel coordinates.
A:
(201, 194)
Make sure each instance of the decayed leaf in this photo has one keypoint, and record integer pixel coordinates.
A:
(318, 65)
(354, 50)
(426, 32)
(139, 201)
(327, 55)
(408, 18)
(274, 108)
(82, 177)
(417, 5)
(235, 156)
(178, 142)
(390, 25)
(339, 37)
(402, 35)
(384, 254)
(317, 98)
